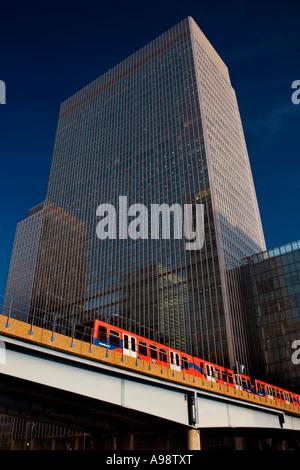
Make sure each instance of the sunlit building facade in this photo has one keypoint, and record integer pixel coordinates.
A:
(161, 127)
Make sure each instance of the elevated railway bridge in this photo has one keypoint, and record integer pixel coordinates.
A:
(47, 374)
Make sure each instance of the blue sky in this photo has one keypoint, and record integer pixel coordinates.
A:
(49, 50)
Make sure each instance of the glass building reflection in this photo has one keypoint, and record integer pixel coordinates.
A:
(20, 278)
(59, 276)
(271, 283)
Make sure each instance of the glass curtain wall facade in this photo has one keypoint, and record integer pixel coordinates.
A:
(271, 284)
(21, 270)
(162, 127)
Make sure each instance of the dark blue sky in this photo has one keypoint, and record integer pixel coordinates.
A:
(49, 50)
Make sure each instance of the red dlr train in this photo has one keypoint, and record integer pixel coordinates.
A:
(110, 337)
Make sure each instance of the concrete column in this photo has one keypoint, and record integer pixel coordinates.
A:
(98, 443)
(239, 443)
(76, 443)
(193, 439)
(162, 441)
(126, 441)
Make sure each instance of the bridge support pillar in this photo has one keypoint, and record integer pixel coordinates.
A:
(193, 439)
(162, 441)
(239, 443)
(125, 441)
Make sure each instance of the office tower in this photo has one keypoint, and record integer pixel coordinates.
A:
(21, 271)
(161, 127)
(271, 285)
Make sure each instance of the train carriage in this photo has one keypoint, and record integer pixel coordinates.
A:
(275, 393)
(116, 339)
(113, 338)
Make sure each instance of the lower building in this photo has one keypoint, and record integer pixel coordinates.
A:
(20, 276)
(271, 285)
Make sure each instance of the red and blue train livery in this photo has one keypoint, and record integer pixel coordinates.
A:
(121, 341)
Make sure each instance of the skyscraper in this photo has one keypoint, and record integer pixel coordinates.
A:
(161, 127)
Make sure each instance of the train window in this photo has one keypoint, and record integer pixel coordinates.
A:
(230, 377)
(143, 348)
(114, 338)
(102, 333)
(245, 382)
(201, 367)
(185, 363)
(224, 377)
(217, 374)
(83, 333)
(133, 344)
(153, 351)
(163, 355)
(126, 342)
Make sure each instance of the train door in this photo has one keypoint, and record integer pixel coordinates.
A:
(174, 361)
(260, 388)
(238, 383)
(269, 392)
(129, 345)
(230, 379)
(287, 398)
(210, 372)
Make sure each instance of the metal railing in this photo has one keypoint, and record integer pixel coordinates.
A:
(14, 309)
